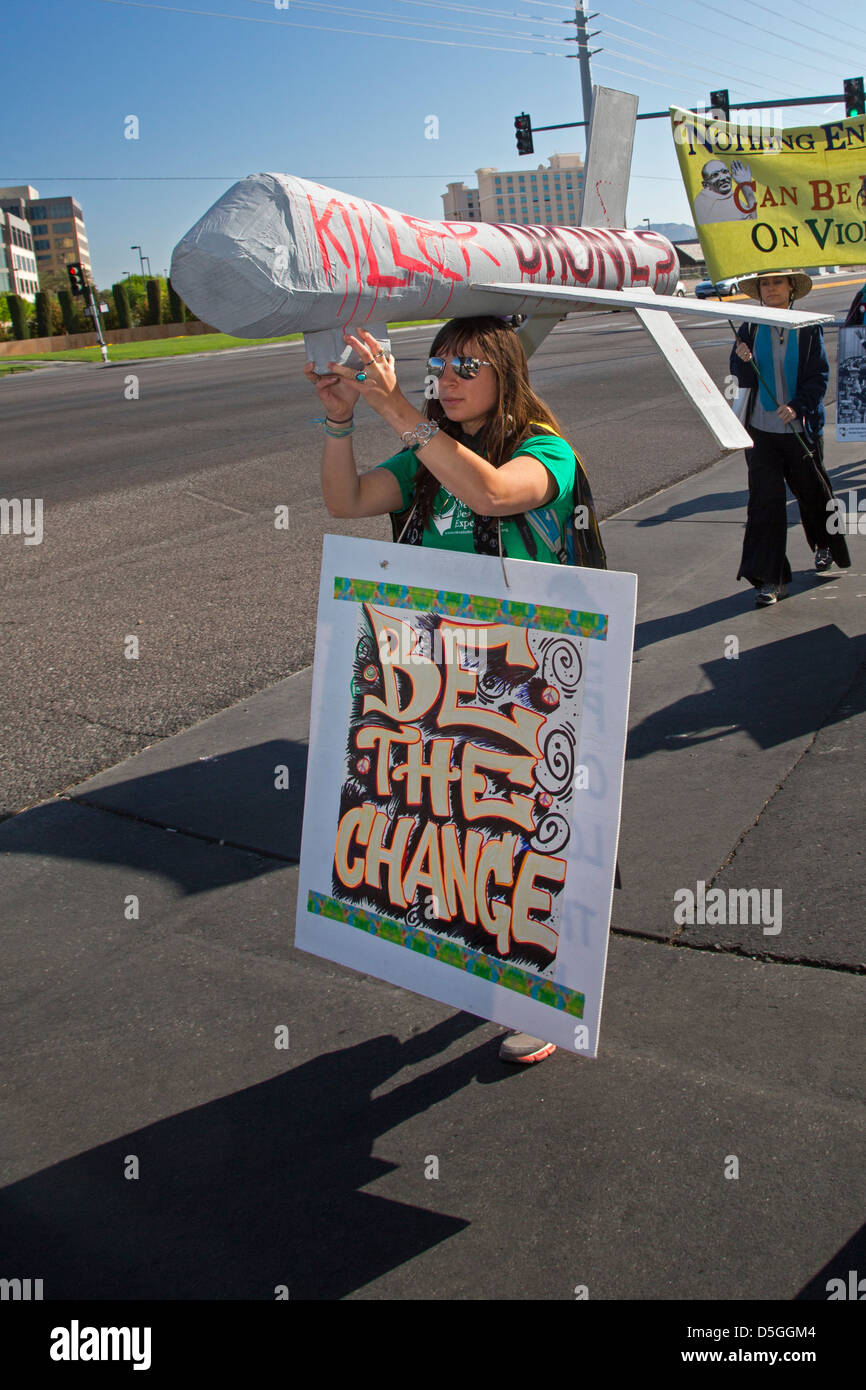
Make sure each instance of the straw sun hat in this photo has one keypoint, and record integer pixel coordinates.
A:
(748, 284)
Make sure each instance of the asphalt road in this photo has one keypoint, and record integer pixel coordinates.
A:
(159, 524)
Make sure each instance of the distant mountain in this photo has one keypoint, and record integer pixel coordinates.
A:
(674, 231)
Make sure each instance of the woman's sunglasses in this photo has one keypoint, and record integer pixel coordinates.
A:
(467, 367)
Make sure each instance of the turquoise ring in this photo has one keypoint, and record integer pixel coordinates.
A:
(360, 376)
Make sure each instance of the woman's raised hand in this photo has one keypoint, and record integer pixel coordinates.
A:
(336, 395)
(379, 387)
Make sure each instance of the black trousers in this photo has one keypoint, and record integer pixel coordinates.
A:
(775, 460)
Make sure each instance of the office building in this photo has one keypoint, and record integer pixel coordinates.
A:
(57, 227)
(18, 267)
(546, 195)
(461, 203)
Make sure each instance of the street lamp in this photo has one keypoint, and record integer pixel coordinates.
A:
(647, 221)
(140, 256)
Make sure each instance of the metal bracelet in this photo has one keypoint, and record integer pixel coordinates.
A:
(421, 435)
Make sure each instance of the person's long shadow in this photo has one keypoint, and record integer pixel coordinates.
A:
(653, 630)
(252, 1192)
(697, 506)
(846, 475)
(776, 692)
(234, 801)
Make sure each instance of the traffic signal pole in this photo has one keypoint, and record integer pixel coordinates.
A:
(97, 323)
(732, 106)
(81, 287)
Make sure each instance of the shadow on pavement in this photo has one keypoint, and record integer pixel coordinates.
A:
(229, 802)
(698, 506)
(252, 1191)
(846, 475)
(777, 692)
(689, 620)
(852, 1257)
(231, 797)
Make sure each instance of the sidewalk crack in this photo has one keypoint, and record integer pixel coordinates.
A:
(176, 830)
(101, 724)
(766, 956)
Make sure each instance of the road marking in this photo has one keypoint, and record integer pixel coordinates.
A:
(200, 495)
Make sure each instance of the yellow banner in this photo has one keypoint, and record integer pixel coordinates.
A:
(764, 198)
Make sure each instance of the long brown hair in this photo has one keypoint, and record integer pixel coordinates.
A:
(517, 407)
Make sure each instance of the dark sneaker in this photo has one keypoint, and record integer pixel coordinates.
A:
(524, 1049)
(767, 594)
(823, 559)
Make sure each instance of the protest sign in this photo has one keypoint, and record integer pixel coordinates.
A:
(464, 782)
(764, 198)
(851, 385)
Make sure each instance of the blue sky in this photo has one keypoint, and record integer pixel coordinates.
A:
(246, 85)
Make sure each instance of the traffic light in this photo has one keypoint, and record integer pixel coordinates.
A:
(721, 102)
(77, 281)
(855, 101)
(523, 127)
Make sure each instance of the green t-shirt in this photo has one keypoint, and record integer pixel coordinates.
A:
(450, 527)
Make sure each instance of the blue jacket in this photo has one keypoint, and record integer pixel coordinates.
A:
(813, 376)
(857, 312)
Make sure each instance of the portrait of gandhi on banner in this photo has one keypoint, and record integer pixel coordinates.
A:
(727, 195)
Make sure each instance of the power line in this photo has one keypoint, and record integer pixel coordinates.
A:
(755, 5)
(330, 29)
(618, 38)
(774, 33)
(435, 5)
(701, 28)
(205, 178)
(688, 47)
(811, 11)
(416, 23)
(632, 76)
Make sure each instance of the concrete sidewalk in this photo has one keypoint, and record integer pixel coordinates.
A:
(153, 1038)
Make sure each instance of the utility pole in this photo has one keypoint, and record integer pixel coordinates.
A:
(584, 55)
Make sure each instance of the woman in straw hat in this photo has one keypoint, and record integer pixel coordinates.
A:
(786, 372)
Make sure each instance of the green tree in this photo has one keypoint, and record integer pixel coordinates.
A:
(19, 315)
(71, 322)
(136, 293)
(44, 315)
(177, 308)
(53, 281)
(154, 302)
(121, 305)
